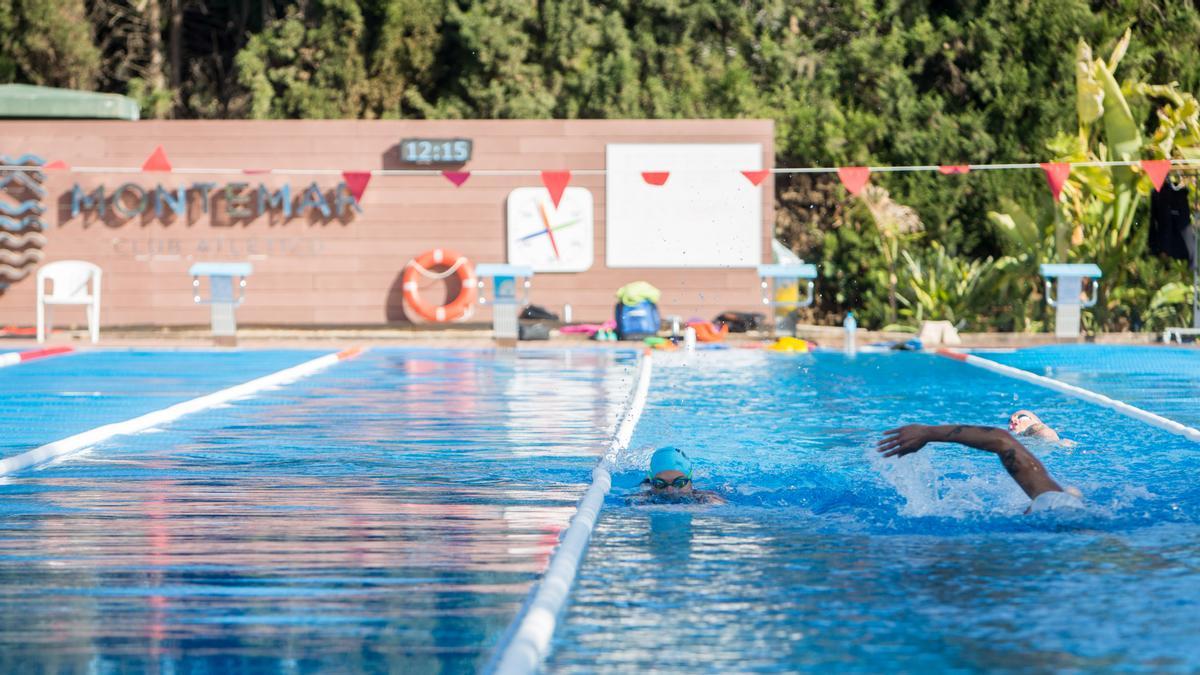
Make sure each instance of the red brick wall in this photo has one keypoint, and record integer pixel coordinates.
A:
(343, 271)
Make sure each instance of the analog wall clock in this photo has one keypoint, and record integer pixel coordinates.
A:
(550, 239)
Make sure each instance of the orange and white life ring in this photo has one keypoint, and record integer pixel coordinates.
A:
(424, 266)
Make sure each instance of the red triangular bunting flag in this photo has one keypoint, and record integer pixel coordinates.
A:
(57, 165)
(1157, 169)
(656, 177)
(157, 161)
(556, 182)
(457, 177)
(854, 177)
(356, 182)
(951, 169)
(756, 177)
(1056, 176)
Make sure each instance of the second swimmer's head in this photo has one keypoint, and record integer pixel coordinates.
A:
(670, 471)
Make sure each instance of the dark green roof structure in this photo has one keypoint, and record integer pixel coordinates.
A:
(27, 101)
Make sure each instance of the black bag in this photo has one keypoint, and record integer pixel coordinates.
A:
(540, 313)
(533, 331)
(740, 322)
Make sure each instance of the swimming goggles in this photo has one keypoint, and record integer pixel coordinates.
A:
(680, 482)
(1012, 424)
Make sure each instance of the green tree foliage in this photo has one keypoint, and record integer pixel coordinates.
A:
(47, 42)
(307, 64)
(403, 56)
(492, 45)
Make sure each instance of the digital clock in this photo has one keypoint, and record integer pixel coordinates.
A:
(435, 150)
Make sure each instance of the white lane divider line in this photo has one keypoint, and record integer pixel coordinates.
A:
(1136, 413)
(530, 641)
(91, 437)
(13, 358)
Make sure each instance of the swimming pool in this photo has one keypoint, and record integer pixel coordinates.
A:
(828, 557)
(387, 514)
(393, 513)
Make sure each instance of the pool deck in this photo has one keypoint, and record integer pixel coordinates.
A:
(476, 336)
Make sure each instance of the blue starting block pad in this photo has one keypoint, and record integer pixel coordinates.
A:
(1083, 271)
(494, 270)
(802, 271)
(220, 269)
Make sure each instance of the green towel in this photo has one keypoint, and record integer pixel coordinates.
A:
(638, 291)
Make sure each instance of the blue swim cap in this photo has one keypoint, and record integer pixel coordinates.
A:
(670, 459)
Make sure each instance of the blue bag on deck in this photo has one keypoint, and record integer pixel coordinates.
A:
(636, 321)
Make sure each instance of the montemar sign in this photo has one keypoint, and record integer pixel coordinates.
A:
(238, 200)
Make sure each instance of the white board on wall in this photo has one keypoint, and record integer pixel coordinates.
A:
(706, 215)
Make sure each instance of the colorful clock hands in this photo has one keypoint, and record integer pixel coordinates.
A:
(556, 228)
(550, 232)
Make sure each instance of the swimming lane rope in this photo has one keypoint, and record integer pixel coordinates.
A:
(14, 358)
(529, 641)
(81, 441)
(1122, 407)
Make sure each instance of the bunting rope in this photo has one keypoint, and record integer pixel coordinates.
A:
(853, 178)
(581, 172)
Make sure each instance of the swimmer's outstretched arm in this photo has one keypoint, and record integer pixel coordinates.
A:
(1024, 468)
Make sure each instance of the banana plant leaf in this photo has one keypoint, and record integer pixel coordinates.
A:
(1124, 142)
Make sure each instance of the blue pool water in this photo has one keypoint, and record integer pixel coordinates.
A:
(1164, 380)
(391, 513)
(828, 557)
(48, 399)
(388, 514)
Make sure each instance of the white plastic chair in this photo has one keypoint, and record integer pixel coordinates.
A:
(70, 281)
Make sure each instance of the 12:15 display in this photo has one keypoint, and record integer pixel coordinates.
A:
(435, 150)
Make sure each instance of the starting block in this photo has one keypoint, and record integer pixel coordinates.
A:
(1069, 300)
(505, 303)
(782, 279)
(221, 296)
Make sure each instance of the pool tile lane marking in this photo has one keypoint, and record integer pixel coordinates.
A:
(530, 641)
(1136, 413)
(13, 358)
(91, 437)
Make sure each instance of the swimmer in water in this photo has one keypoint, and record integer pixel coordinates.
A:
(1025, 469)
(669, 481)
(1025, 423)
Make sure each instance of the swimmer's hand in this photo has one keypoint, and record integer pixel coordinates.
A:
(709, 497)
(904, 440)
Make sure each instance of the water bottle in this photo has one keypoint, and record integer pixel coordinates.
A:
(567, 313)
(851, 325)
(689, 339)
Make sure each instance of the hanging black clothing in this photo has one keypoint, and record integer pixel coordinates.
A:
(1170, 224)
